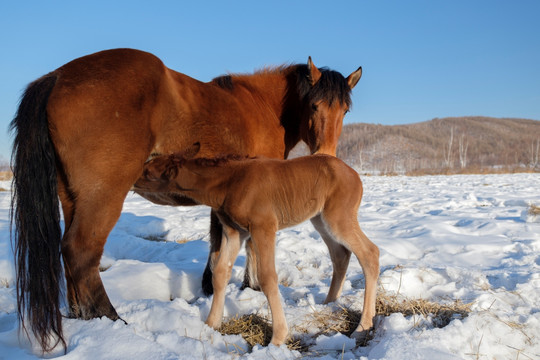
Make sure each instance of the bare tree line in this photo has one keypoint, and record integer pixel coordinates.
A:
(442, 145)
(431, 146)
(4, 164)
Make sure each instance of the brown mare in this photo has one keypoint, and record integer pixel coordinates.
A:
(257, 197)
(84, 131)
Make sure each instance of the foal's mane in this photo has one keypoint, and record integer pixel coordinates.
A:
(332, 86)
(210, 162)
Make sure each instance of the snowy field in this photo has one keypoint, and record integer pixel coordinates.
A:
(442, 238)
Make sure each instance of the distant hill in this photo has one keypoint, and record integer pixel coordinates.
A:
(442, 145)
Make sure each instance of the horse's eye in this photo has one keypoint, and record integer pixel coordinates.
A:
(314, 107)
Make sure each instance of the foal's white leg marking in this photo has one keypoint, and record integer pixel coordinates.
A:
(230, 246)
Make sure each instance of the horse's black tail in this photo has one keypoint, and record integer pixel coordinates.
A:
(35, 217)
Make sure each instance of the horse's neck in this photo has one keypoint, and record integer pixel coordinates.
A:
(268, 88)
(272, 91)
(278, 89)
(208, 184)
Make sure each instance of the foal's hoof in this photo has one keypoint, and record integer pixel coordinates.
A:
(362, 336)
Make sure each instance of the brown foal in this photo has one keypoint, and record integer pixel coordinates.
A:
(257, 197)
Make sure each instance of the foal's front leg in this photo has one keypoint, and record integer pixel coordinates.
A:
(230, 246)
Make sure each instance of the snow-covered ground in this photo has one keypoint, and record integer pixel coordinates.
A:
(442, 238)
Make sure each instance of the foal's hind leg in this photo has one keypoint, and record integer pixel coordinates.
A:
(346, 230)
(340, 257)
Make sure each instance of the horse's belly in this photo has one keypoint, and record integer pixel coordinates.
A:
(167, 199)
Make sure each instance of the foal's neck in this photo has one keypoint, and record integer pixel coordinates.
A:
(207, 184)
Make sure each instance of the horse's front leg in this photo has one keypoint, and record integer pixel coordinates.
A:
(264, 239)
(250, 275)
(216, 233)
(230, 246)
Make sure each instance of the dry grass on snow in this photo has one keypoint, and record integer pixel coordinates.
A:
(258, 330)
(6, 175)
(534, 209)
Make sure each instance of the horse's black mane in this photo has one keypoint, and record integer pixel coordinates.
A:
(224, 82)
(332, 86)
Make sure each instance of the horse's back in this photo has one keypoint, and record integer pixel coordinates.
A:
(101, 113)
(105, 88)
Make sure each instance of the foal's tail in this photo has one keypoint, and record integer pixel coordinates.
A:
(35, 216)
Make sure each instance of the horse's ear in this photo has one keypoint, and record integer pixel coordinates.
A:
(352, 79)
(191, 151)
(314, 74)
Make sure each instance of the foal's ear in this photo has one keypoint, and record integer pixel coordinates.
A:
(170, 172)
(150, 173)
(352, 79)
(191, 151)
(314, 74)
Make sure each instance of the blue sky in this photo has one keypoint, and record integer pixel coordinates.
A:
(420, 59)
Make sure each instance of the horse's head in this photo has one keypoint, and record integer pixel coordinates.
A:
(325, 96)
(160, 173)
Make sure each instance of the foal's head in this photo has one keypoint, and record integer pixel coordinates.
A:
(326, 98)
(159, 173)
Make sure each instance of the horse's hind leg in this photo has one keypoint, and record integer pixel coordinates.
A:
(92, 195)
(68, 209)
(250, 275)
(82, 246)
(340, 257)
